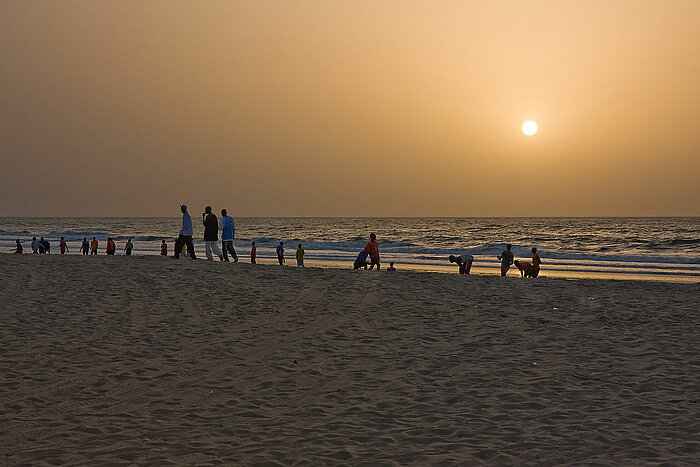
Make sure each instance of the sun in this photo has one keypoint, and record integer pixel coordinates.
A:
(529, 128)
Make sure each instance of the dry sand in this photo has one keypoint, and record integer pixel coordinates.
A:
(149, 360)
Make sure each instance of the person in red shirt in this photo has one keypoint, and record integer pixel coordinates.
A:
(63, 246)
(253, 252)
(111, 247)
(164, 249)
(372, 250)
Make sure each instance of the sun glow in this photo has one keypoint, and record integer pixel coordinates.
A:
(529, 128)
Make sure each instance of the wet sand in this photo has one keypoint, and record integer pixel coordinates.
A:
(149, 360)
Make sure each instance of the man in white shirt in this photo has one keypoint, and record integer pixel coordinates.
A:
(228, 230)
(185, 237)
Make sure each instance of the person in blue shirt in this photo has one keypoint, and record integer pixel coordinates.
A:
(228, 231)
(361, 260)
(185, 237)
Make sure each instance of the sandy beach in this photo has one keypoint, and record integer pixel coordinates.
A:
(148, 360)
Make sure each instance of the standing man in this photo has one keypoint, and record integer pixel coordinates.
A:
(536, 261)
(253, 252)
(228, 232)
(93, 246)
(280, 253)
(372, 250)
(128, 247)
(185, 237)
(211, 234)
(506, 260)
(85, 246)
(63, 246)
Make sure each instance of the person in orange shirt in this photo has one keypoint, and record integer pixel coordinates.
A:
(372, 250)
(93, 246)
(536, 261)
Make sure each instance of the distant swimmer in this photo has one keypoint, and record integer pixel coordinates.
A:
(506, 260)
(35, 245)
(372, 249)
(93, 246)
(464, 262)
(361, 260)
(163, 248)
(253, 252)
(63, 246)
(128, 247)
(228, 232)
(211, 234)
(536, 261)
(280, 253)
(300, 257)
(185, 237)
(525, 268)
(18, 249)
(391, 267)
(85, 246)
(111, 247)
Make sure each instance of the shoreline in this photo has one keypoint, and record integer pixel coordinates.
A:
(477, 270)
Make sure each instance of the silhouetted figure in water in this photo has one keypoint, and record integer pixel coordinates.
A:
(506, 260)
(536, 261)
(85, 246)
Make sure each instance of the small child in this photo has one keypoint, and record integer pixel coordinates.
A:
(300, 257)
(128, 247)
(18, 249)
(63, 246)
(253, 252)
(280, 253)
(35, 245)
(164, 248)
(391, 267)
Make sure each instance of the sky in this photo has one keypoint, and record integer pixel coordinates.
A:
(339, 108)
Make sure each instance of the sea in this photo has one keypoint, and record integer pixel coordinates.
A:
(617, 248)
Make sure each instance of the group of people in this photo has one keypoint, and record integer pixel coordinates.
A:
(212, 226)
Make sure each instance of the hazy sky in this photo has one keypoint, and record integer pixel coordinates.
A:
(353, 108)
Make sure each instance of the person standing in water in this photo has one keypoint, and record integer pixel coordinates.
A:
(211, 234)
(300, 257)
(85, 246)
(63, 246)
(93, 246)
(253, 252)
(185, 237)
(536, 261)
(128, 247)
(280, 253)
(464, 262)
(372, 249)
(228, 232)
(506, 258)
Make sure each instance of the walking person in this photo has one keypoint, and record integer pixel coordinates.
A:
(211, 234)
(372, 250)
(85, 246)
(253, 252)
(280, 253)
(185, 237)
(506, 258)
(228, 232)
(128, 247)
(93, 246)
(63, 246)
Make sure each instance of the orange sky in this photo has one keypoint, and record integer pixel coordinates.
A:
(333, 108)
